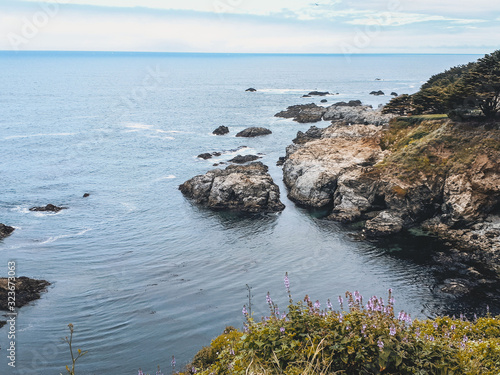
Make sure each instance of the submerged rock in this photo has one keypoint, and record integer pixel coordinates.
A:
(254, 132)
(244, 188)
(5, 230)
(48, 208)
(221, 130)
(27, 290)
(86, 195)
(251, 89)
(377, 93)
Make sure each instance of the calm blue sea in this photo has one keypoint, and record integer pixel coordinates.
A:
(140, 272)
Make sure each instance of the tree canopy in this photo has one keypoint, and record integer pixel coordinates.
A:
(464, 88)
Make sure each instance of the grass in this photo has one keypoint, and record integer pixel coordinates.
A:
(430, 146)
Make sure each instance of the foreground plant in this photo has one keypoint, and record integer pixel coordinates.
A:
(368, 338)
(79, 354)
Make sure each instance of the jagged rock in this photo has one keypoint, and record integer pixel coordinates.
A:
(356, 114)
(251, 89)
(242, 159)
(205, 156)
(245, 188)
(384, 224)
(309, 135)
(254, 132)
(86, 195)
(318, 93)
(377, 93)
(311, 171)
(351, 103)
(27, 290)
(324, 101)
(294, 110)
(48, 208)
(281, 161)
(5, 230)
(394, 93)
(221, 130)
(306, 96)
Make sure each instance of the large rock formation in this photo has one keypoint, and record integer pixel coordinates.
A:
(5, 230)
(245, 188)
(438, 174)
(221, 130)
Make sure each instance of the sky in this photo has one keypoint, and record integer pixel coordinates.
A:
(252, 26)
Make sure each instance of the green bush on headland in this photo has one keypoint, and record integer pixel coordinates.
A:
(361, 338)
(464, 92)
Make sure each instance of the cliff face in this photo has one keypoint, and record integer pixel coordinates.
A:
(436, 173)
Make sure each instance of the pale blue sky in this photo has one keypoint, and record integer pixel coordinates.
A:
(267, 26)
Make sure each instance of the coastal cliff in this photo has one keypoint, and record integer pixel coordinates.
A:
(435, 174)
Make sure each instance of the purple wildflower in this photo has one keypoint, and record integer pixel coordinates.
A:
(193, 370)
(140, 372)
(329, 305)
(341, 318)
(159, 371)
(453, 327)
(341, 302)
(317, 305)
(287, 283)
(380, 344)
(268, 299)
(435, 325)
(392, 331)
(231, 352)
(244, 310)
(282, 329)
(173, 361)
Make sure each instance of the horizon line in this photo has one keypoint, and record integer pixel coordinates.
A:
(242, 53)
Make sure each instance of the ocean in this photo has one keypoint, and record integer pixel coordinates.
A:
(141, 273)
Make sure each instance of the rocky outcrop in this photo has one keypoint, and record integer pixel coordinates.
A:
(377, 93)
(324, 101)
(251, 89)
(312, 170)
(221, 130)
(5, 231)
(394, 93)
(356, 114)
(309, 135)
(205, 156)
(352, 112)
(48, 208)
(27, 290)
(242, 159)
(86, 195)
(254, 132)
(244, 188)
(344, 169)
(318, 93)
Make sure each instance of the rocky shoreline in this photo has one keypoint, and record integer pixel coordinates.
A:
(27, 290)
(426, 181)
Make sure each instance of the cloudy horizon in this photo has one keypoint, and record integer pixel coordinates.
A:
(244, 26)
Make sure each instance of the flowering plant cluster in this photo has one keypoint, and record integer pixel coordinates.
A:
(358, 338)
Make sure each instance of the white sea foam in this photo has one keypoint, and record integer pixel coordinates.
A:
(38, 135)
(55, 238)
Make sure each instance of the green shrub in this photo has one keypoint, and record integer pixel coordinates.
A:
(361, 339)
